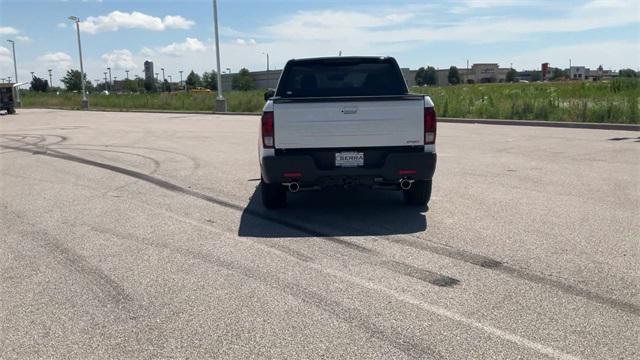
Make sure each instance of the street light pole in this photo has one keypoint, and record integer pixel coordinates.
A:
(163, 78)
(181, 78)
(15, 70)
(106, 86)
(110, 81)
(84, 103)
(127, 71)
(50, 78)
(221, 105)
(264, 53)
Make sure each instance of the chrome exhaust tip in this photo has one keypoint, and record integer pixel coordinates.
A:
(294, 187)
(405, 184)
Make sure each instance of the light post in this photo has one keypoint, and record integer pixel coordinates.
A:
(127, 71)
(181, 78)
(50, 78)
(221, 105)
(15, 70)
(84, 103)
(267, 54)
(163, 78)
(106, 86)
(110, 81)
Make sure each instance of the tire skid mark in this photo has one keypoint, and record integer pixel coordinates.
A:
(418, 273)
(179, 189)
(196, 163)
(515, 272)
(352, 316)
(102, 285)
(456, 254)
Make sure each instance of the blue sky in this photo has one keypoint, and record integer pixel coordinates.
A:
(177, 35)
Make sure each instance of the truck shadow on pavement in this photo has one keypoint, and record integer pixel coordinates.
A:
(334, 212)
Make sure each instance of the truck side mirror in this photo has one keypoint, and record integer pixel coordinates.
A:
(269, 94)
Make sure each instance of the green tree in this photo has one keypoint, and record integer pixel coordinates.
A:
(419, 78)
(166, 87)
(536, 75)
(430, 76)
(130, 85)
(72, 81)
(243, 81)
(627, 73)
(511, 75)
(150, 84)
(193, 80)
(210, 80)
(38, 84)
(558, 74)
(454, 76)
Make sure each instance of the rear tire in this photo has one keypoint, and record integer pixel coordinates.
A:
(11, 111)
(274, 196)
(419, 194)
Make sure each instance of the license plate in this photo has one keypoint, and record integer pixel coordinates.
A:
(349, 159)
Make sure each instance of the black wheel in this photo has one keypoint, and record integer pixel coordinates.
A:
(274, 196)
(11, 111)
(419, 193)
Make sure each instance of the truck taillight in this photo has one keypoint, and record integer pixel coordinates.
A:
(429, 126)
(267, 129)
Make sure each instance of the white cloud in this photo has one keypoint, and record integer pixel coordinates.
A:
(62, 25)
(8, 30)
(5, 56)
(361, 29)
(134, 20)
(189, 45)
(23, 38)
(120, 60)
(59, 60)
(147, 52)
(177, 22)
(611, 54)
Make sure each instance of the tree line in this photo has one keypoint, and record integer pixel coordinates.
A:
(243, 81)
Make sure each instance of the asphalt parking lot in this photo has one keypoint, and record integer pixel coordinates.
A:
(133, 235)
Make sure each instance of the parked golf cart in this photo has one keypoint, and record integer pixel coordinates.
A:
(7, 101)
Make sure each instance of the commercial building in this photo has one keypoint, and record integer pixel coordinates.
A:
(148, 70)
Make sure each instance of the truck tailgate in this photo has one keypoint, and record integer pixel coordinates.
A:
(340, 124)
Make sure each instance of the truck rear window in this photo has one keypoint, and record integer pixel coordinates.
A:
(341, 77)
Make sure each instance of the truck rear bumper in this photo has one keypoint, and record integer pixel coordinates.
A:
(301, 168)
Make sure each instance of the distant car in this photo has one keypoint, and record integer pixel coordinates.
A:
(523, 81)
(6, 98)
(346, 121)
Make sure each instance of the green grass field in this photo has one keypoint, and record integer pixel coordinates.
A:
(616, 101)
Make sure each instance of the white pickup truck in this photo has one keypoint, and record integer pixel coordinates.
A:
(346, 121)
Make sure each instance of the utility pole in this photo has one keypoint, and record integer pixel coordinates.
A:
(106, 85)
(267, 54)
(163, 78)
(15, 70)
(84, 103)
(50, 78)
(127, 71)
(110, 81)
(221, 105)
